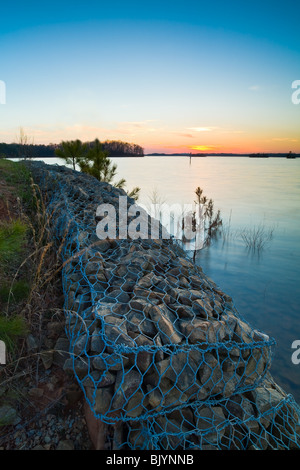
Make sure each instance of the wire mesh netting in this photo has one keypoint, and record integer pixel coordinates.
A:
(158, 349)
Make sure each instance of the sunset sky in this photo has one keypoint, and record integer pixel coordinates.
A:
(171, 76)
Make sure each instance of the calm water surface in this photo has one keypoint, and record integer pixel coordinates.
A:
(249, 192)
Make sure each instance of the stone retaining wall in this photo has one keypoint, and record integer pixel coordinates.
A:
(158, 349)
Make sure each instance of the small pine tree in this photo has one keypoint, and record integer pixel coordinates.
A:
(212, 221)
(98, 164)
(72, 151)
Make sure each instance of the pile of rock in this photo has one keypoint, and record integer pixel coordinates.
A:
(155, 345)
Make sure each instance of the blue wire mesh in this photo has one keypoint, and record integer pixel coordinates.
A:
(158, 349)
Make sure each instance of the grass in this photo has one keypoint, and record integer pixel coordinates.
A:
(29, 264)
(12, 239)
(15, 234)
(12, 329)
(31, 292)
(15, 292)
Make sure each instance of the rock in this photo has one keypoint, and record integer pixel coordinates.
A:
(165, 321)
(36, 392)
(99, 380)
(112, 362)
(201, 331)
(149, 280)
(241, 408)
(61, 351)
(78, 366)
(171, 432)
(202, 309)
(65, 445)
(140, 324)
(103, 399)
(209, 421)
(265, 399)
(136, 405)
(243, 332)
(120, 296)
(116, 332)
(81, 344)
(145, 357)
(183, 311)
(47, 359)
(97, 343)
(128, 383)
(31, 343)
(139, 305)
(181, 370)
(8, 416)
(257, 365)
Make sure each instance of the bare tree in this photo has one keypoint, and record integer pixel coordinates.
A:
(25, 144)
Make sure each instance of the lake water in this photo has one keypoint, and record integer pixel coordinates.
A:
(249, 192)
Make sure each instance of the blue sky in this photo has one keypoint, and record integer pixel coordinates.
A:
(170, 76)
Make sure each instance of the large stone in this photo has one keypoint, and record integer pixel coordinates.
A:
(113, 362)
(266, 398)
(61, 351)
(47, 359)
(103, 400)
(201, 331)
(181, 370)
(66, 444)
(81, 344)
(128, 383)
(165, 321)
(146, 353)
(139, 323)
(97, 344)
(256, 365)
(8, 416)
(209, 421)
(149, 280)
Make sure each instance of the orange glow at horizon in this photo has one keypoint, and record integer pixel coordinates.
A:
(203, 148)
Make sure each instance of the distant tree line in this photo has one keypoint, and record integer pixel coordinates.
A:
(115, 148)
(29, 150)
(119, 148)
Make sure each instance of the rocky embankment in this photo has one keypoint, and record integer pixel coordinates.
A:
(158, 349)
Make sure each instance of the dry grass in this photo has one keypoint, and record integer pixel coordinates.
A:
(36, 261)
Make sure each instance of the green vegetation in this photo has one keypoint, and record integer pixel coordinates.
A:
(24, 146)
(16, 194)
(211, 221)
(97, 164)
(18, 291)
(72, 151)
(12, 329)
(12, 237)
(93, 160)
